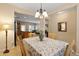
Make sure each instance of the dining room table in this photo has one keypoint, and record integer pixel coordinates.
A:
(47, 47)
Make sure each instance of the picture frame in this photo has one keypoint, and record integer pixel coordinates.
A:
(62, 26)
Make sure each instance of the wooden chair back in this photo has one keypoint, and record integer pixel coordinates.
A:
(65, 51)
(20, 43)
(52, 35)
(71, 48)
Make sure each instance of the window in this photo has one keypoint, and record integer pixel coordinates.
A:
(31, 27)
(23, 28)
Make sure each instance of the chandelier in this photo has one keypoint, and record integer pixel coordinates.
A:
(41, 13)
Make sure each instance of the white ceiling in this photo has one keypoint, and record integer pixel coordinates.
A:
(35, 6)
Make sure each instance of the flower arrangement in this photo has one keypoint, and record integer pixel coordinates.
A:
(40, 34)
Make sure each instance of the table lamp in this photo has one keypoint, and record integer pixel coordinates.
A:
(6, 27)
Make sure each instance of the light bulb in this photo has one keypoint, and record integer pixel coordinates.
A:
(41, 16)
(45, 13)
(37, 14)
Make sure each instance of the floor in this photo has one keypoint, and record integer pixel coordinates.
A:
(13, 52)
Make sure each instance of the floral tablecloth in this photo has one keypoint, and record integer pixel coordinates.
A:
(47, 47)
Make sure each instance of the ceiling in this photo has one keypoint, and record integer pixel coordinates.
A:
(36, 6)
(26, 18)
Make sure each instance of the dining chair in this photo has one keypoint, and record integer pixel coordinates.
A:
(24, 50)
(71, 49)
(20, 43)
(52, 35)
(66, 49)
(32, 34)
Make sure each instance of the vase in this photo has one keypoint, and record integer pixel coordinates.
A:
(41, 36)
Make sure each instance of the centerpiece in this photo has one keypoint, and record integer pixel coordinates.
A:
(40, 34)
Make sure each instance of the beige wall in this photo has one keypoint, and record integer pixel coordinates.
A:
(68, 15)
(77, 40)
(7, 16)
(76, 35)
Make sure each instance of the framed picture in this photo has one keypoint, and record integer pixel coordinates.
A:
(62, 26)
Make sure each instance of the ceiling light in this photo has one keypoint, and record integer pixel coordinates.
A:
(37, 14)
(41, 13)
(45, 13)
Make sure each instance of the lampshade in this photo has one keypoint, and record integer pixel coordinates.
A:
(45, 13)
(6, 27)
(37, 14)
(0, 27)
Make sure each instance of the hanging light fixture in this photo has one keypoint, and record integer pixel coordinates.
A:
(41, 13)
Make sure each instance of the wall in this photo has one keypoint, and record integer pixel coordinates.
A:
(77, 41)
(68, 15)
(7, 16)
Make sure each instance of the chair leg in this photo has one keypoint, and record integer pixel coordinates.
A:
(65, 53)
